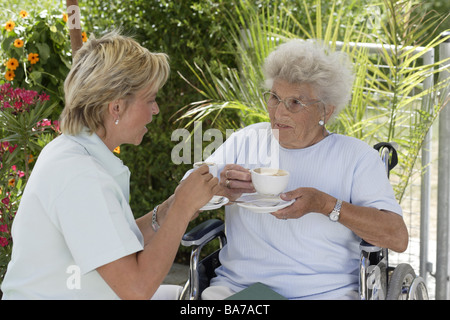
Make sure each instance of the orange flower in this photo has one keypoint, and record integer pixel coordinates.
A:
(18, 43)
(12, 64)
(65, 17)
(12, 182)
(10, 25)
(33, 58)
(84, 36)
(9, 75)
(117, 150)
(23, 13)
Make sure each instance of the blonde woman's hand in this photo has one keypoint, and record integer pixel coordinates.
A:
(196, 190)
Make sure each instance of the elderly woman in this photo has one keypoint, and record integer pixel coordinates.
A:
(310, 249)
(75, 236)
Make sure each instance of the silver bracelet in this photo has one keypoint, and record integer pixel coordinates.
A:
(155, 224)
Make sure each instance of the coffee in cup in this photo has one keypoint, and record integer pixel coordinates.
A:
(269, 181)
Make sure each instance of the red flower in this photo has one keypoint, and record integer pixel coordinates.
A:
(12, 148)
(44, 97)
(56, 126)
(5, 201)
(3, 242)
(5, 145)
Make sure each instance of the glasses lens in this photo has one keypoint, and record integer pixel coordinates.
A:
(295, 105)
(271, 99)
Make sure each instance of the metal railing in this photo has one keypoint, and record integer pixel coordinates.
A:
(443, 208)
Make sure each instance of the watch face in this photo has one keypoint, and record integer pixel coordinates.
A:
(334, 216)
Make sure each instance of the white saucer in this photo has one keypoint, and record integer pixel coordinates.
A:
(262, 204)
(212, 206)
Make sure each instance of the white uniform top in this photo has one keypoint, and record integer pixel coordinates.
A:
(74, 216)
(309, 257)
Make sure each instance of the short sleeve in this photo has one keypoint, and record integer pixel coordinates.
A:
(371, 186)
(96, 221)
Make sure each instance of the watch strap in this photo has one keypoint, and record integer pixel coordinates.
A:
(155, 224)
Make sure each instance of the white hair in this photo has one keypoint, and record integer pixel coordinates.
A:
(300, 61)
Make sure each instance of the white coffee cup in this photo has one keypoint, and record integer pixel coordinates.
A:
(269, 181)
(213, 169)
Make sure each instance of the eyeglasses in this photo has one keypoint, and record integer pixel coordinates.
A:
(293, 105)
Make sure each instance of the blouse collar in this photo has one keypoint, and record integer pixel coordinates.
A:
(112, 164)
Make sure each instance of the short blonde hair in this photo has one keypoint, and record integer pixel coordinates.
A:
(311, 61)
(104, 70)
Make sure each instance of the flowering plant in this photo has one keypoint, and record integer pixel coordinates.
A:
(11, 185)
(35, 52)
(24, 130)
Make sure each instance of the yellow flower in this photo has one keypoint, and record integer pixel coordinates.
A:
(117, 150)
(12, 64)
(65, 17)
(9, 75)
(84, 36)
(30, 158)
(18, 43)
(10, 25)
(33, 58)
(23, 13)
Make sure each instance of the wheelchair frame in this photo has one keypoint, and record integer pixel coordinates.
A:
(377, 281)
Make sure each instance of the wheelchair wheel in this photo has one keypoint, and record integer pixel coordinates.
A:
(400, 283)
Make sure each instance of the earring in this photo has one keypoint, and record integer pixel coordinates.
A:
(116, 122)
(321, 123)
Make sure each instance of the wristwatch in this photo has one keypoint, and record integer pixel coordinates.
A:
(334, 215)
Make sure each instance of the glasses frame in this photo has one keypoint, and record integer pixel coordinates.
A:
(303, 105)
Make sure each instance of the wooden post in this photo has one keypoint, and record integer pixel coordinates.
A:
(74, 24)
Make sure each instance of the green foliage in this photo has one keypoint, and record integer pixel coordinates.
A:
(11, 187)
(44, 35)
(402, 85)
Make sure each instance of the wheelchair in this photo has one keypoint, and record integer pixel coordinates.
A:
(377, 280)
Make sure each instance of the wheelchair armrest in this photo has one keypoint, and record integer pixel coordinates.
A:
(367, 247)
(202, 233)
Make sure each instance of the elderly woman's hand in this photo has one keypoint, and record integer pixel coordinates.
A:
(306, 200)
(234, 181)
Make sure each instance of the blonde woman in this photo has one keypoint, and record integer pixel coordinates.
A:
(75, 236)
